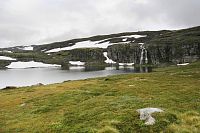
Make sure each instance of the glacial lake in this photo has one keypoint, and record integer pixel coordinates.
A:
(32, 76)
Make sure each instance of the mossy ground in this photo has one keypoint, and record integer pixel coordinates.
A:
(107, 105)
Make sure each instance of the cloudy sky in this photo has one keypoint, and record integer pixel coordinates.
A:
(26, 22)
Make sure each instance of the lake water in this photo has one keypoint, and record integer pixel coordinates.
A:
(32, 76)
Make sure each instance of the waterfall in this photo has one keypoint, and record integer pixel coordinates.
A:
(141, 57)
(143, 52)
(146, 58)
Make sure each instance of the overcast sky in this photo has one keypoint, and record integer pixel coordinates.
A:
(26, 22)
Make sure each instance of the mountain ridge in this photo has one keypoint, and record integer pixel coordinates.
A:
(165, 46)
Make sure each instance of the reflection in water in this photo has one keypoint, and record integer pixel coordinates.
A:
(94, 68)
(31, 76)
(123, 68)
(77, 68)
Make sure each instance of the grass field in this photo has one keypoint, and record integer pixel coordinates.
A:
(107, 105)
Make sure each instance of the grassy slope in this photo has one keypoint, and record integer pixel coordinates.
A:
(107, 104)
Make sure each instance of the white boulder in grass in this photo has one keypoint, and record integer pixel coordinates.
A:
(145, 114)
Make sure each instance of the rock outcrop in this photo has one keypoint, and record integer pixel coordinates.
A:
(154, 54)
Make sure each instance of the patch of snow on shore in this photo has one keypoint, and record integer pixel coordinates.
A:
(109, 61)
(6, 58)
(30, 64)
(184, 64)
(141, 43)
(77, 63)
(126, 64)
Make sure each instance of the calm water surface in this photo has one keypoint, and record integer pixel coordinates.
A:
(32, 76)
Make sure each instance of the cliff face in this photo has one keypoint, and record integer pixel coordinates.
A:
(173, 54)
(177, 47)
(156, 54)
(170, 47)
(86, 55)
(125, 53)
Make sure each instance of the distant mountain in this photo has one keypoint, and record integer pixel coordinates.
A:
(145, 47)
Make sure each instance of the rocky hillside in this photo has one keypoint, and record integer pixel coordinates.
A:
(146, 47)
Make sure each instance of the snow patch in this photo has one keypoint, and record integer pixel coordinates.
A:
(28, 48)
(30, 64)
(6, 51)
(108, 61)
(125, 39)
(184, 64)
(84, 44)
(135, 36)
(43, 50)
(145, 114)
(93, 44)
(126, 64)
(6, 58)
(77, 63)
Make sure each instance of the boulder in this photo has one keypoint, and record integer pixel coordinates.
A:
(145, 114)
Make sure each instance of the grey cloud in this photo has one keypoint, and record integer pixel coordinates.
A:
(43, 21)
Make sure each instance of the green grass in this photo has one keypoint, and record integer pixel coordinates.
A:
(107, 105)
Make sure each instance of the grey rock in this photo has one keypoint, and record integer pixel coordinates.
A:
(145, 114)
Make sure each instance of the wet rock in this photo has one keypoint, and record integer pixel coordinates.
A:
(145, 114)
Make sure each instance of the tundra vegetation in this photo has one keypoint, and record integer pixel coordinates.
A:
(107, 104)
